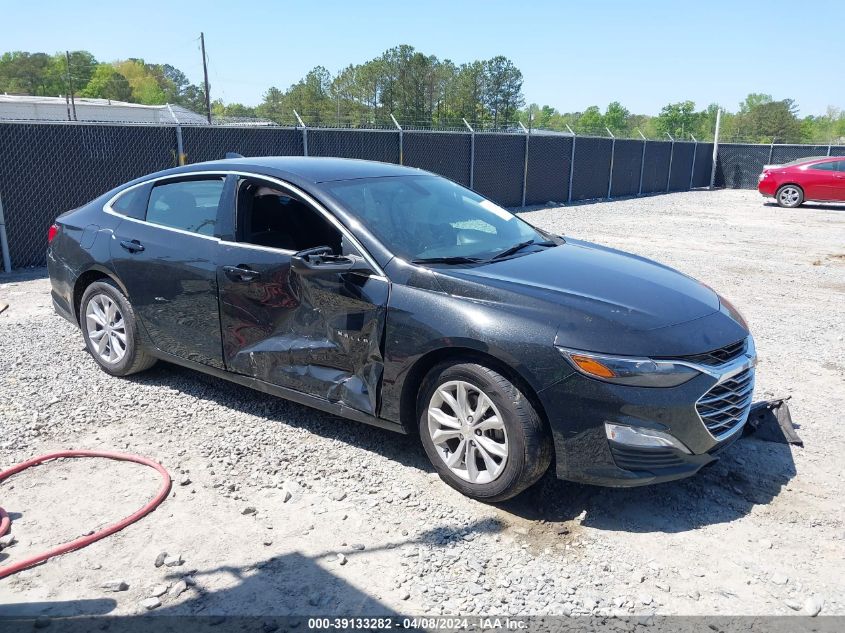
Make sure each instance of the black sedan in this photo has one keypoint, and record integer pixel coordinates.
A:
(391, 296)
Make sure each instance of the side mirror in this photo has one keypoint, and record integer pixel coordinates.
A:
(321, 260)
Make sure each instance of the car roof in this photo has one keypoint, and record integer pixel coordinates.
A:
(311, 169)
(811, 159)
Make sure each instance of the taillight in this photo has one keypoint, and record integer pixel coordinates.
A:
(52, 232)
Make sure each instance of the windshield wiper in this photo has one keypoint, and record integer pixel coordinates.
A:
(518, 247)
(455, 259)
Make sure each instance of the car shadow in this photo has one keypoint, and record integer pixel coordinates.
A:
(748, 473)
(817, 206)
(401, 448)
(24, 610)
(278, 593)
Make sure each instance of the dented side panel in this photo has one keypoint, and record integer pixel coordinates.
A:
(318, 334)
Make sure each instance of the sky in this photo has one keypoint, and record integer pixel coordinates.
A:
(572, 55)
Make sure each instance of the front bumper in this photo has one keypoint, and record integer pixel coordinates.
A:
(585, 454)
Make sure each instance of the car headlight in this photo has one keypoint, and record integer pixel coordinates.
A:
(638, 372)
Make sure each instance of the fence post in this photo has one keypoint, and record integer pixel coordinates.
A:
(642, 161)
(471, 154)
(304, 133)
(612, 153)
(771, 150)
(525, 165)
(715, 147)
(571, 162)
(401, 140)
(828, 149)
(692, 168)
(181, 159)
(4, 241)
(671, 158)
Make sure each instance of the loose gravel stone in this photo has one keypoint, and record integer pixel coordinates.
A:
(178, 589)
(115, 585)
(813, 606)
(173, 561)
(159, 561)
(150, 603)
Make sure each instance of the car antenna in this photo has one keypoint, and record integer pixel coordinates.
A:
(233, 155)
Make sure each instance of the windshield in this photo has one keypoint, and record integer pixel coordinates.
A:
(427, 217)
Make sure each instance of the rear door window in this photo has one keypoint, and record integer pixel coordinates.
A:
(188, 205)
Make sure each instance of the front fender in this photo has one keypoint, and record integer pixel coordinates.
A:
(423, 322)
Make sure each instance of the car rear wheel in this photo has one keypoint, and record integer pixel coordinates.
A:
(481, 433)
(789, 196)
(110, 330)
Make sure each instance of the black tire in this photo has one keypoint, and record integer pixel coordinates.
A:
(135, 358)
(529, 443)
(789, 196)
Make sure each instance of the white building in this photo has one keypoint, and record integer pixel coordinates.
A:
(26, 108)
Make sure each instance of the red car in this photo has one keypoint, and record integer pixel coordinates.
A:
(821, 179)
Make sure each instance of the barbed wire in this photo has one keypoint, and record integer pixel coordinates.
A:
(350, 122)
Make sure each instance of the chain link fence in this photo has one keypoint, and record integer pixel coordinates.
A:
(739, 164)
(48, 168)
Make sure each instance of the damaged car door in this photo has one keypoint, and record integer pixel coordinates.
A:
(299, 306)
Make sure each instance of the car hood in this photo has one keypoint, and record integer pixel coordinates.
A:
(599, 297)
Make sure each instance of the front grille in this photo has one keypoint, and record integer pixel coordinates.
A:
(718, 356)
(726, 405)
(640, 458)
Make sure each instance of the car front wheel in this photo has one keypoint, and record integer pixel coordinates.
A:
(481, 433)
(789, 196)
(110, 330)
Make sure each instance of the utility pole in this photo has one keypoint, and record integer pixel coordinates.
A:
(70, 85)
(205, 75)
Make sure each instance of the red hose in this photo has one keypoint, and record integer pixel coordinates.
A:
(8, 570)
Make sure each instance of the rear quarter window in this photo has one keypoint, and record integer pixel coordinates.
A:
(824, 166)
(133, 202)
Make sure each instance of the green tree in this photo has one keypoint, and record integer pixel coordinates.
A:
(29, 74)
(502, 89)
(616, 119)
(145, 87)
(762, 120)
(677, 119)
(273, 107)
(107, 83)
(591, 122)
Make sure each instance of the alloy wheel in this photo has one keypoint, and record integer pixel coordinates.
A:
(106, 328)
(468, 432)
(789, 196)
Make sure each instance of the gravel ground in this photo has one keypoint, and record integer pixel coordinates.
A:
(280, 509)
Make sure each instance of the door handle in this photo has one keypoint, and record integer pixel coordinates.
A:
(241, 273)
(133, 246)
